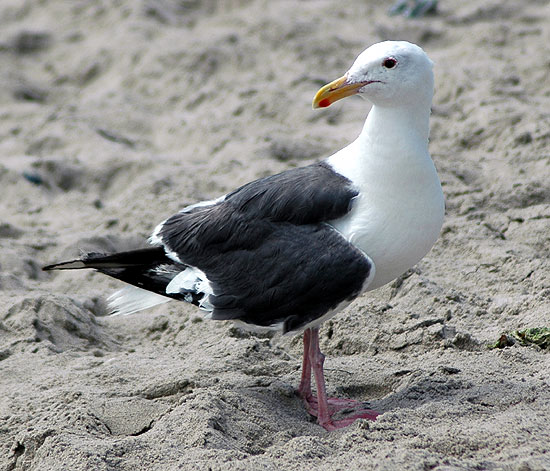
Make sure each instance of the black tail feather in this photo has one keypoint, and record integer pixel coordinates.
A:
(147, 268)
(133, 258)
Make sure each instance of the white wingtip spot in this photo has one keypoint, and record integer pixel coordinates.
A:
(190, 279)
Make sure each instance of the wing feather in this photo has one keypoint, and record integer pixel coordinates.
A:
(267, 249)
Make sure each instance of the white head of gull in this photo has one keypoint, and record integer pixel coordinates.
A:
(287, 252)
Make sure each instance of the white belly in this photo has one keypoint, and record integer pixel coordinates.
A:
(396, 219)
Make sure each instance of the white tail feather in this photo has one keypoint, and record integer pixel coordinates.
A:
(132, 299)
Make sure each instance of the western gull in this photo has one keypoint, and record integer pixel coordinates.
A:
(289, 251)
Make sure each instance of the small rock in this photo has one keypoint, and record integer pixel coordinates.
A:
(524, 138)
(33, 178)
(450, 370)
(114, 137)
(414, 8)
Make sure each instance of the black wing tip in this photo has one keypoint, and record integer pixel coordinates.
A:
(70, 265)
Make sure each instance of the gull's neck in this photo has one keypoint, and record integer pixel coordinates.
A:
(397, 129)
(392, 140)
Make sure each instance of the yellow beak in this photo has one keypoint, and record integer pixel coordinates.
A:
(334, 91)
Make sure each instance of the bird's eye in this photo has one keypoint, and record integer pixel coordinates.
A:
(389, 63)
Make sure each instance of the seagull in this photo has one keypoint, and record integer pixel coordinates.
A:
(289, 251)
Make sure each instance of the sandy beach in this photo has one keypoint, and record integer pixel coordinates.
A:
(115, 115)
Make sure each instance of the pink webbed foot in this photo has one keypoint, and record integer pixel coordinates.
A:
(324, 407)
(350, 409)
(336, 404)
(332, 424)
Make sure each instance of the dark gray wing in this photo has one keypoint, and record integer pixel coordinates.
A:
(267, 251)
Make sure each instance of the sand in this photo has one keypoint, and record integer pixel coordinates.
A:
(114, 115)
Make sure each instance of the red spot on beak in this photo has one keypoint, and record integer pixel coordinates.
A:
(324, 103)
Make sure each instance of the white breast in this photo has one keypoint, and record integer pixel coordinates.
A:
(399, 212)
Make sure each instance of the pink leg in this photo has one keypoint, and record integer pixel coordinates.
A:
(321, 406)
(317, 360)
(304, 390)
